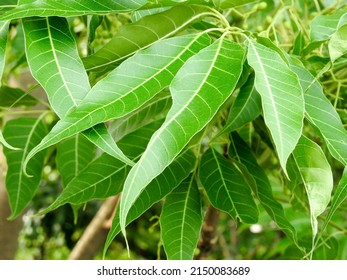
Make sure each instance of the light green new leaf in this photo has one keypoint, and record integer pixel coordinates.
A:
(161, 186)
(247, 107)
(338, 43)
(323, 26)
(317, 177)
(23, 133)
(198, 90)
(128, 87)
(139, 35)
(15, 97)
(226, 4)
(226, 187)
(70, 8)
(240, 151)
(321, 113)
(282, 98)
(339, 197)
(181, 221)
(54, 62)
(3, 41)
(73, 155)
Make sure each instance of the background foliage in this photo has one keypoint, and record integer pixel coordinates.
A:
(218, 125)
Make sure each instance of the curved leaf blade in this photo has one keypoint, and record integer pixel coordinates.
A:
(317, 176)
(15, 97)
(181, 221)
(3, 41)
(282, 98)
(226, 188)
(69, 8)
(338, 43)
(198, 90)
(23, 133)
(139, 35)
(5, 143)
(127, 88)
(161, 186)
(321, 113)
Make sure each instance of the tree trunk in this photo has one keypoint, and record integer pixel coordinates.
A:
(9, 230)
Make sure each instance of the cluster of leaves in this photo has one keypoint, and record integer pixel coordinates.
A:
(185, 104)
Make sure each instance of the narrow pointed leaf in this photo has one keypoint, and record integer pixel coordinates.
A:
(198, 90)
(23, 133)
(240, 151)
(321, 113)
(161, 186)
(181, 221)
(338, 43)
(226, 188)
(4, 142)
(3, 41)
(317, 177)
(247, 107)
(15, 97)
(339, 197)
(73, 155)
(69, 8)
(282, 98)
(105, 175)
(54, 62)
(127, 88)
(323, 26)
(139, 35)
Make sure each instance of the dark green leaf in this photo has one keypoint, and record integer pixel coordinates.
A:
(14, 97)
(23, 133)
(181, 221)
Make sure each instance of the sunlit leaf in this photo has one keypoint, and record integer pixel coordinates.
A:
(127, 88)
(198, 90)
(14, 97)
(141, 34)
(23, 133)
(321, 113)
(181, 221)
(317, 177)
(225, 4)
(69, 8)
(282, 98)
(5, 143)
(338, 43)
(3, 41)
(226, 188)
(161, 186)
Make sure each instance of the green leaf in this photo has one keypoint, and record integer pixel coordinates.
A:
(4, 142)
(105, 175)
(317, 177)
(54, 62)
(161, 186)
(127, 88)
(181, 221)
(323, 26)
(73, 155)
(225, 4)
(240, 151)
(339, 197)
(139, 35)
(137, 15)
(282, 98)
(226, 187)
(198, 90)
(23, 133)
(70, 8)
(338, 43)
(3, 41)
(15, 97)
(321, 113)
(247, 107)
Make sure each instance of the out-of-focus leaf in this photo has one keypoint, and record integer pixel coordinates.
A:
(23, 133)
(338, 43)
(141, 34)
(225, 4)
(3, 41)
(226, 187)
(181, 221)
(15, 97)
(127, 88)
(282, 98)
(198, 90)
(317, 177)
(4, 142)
